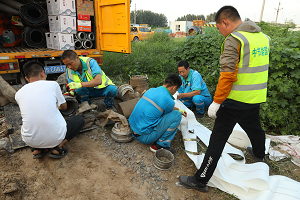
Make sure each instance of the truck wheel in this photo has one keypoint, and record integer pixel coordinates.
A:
(135, 39)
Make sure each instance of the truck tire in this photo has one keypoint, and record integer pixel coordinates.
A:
(135, 39)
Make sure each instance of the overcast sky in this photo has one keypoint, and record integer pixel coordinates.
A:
(172, 9)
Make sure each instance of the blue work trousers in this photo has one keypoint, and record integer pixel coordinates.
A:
(108, 92)
(201, 102)
(164, 132)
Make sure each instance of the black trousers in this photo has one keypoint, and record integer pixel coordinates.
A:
(74, 125)
(226, 119)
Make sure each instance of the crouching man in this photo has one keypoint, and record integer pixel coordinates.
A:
(87, 78)
(43, 125)
(155, 118)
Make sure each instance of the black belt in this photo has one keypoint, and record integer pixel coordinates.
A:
(136, 135)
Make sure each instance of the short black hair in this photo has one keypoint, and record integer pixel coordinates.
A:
(228, 12)
(183, 63)
(32, 69)
(69, 54)
(173, 80)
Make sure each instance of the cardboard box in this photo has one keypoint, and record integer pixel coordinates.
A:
(85, 7)
(62, 7)
(52, 23)
(50, 7)
(62, 24)
(83, 17)
(63, 41)
(84, 26)
(49, 40)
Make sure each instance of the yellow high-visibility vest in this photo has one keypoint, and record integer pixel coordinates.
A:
(89, 75)
(252, 77)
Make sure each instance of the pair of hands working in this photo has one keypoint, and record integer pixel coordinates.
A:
(72, 87)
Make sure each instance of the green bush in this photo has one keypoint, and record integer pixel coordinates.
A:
(159, 55)
(153, 57)
(280, 114)
(203, 53)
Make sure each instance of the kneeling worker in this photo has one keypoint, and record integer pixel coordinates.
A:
(87, 79)
(193, 91)
(155, 118)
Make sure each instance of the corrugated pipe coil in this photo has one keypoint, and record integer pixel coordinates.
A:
(34, 37)
(33, 15)
(72, 106)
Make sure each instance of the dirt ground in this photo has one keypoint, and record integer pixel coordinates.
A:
(97, 167)
(92, 170)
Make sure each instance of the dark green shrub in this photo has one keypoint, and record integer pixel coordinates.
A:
(159, 55)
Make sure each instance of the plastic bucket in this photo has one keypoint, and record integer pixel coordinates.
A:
(163, 159)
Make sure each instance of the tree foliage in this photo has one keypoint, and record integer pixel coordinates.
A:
(191, 17)
(211, 17)
(150, 18)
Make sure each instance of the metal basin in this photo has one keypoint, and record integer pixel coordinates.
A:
(163, 159)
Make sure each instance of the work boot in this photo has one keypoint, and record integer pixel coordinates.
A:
(198, 115)
(249, 149)
(190, 182)
(155, 147)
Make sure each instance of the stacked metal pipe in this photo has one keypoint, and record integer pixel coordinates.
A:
(84, 40)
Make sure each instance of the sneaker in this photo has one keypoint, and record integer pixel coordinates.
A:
(155, 147)
(249, 149)
(198, 115)
(190, 182)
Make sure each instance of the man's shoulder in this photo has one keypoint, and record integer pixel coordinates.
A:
(195, 74)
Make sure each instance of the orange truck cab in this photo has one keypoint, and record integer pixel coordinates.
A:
(110, 23)
(140, 33)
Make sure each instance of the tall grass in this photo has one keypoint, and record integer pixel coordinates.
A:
(154, 57)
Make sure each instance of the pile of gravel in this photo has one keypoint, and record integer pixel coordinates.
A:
(139, 158)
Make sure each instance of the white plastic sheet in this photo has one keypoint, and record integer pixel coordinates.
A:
(247, 181)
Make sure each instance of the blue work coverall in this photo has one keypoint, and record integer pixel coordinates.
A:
(154, 119)
(108, 92)
(195, 82)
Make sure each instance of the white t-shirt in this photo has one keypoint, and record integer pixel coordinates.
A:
(43, 125)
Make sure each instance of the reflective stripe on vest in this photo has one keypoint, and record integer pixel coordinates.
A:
(153, 103)
(89, 75)
(252, 77)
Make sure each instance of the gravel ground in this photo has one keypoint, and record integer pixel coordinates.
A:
(136, 156)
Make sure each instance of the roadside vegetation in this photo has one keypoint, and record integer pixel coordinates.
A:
(159, 55)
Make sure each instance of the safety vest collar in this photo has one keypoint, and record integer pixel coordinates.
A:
(84, 67)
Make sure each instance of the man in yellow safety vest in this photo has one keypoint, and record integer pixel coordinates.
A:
(87, 79)
(242, 87)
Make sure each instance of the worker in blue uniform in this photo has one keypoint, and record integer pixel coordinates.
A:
(155, 118)
(193, 91)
